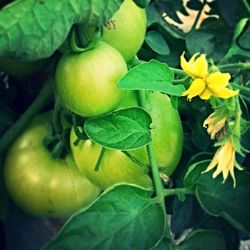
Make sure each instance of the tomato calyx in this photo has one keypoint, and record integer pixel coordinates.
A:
(58, 131)
(81, 39)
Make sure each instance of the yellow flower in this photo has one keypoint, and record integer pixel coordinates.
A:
(214, 124)
(205, 84)
(225, 161)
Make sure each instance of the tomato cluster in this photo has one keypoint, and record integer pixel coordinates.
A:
(86, 84)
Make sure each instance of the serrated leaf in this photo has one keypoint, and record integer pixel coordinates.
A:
(218, 199)
(124, 217)
(157, 43)
(38, 28)
(151, 75)
(202, 239)
(124, 129)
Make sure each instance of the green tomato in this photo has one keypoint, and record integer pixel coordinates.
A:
(41, 185)
(19, 68)
(126, 30)
(115, 167)
(87, 82)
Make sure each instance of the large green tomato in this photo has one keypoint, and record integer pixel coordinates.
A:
(87, 82)
(167, 137)
(127, 29)
(41, 185)
(19, 68)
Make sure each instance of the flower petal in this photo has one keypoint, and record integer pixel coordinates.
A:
(188, 67)
(224, 152)
(206, 94)
(218, 80)
(225, 93)
(212, 164)
(197, 86)
(201, 66)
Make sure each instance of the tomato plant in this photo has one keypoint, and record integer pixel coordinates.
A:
(39, 184)
(116, 167)
(85, 81)
(146, 110)
(126, 29)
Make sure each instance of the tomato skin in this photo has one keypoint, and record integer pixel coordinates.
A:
(41, 185)
(167, 137)
(127, 32)
(87, 83)
(18, 68)
(115, 166)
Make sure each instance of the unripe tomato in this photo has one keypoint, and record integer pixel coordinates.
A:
(87, 82)
(41, 185)
(167, 139)
(19, 68)
(126, 30)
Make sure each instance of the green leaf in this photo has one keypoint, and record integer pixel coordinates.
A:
(157, 43)
(142, 3)
(124, 217)
(199, 132)
(186, 214)
(218, 199)
(203, 240)
(194, 172)
(209, 41)
(35, 29)
(244, 38)
(165, 244)
(152, 75)
(123, 129)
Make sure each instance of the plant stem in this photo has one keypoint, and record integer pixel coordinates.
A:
(154, 168)
(244, 89)
(234, 66)
(197, 18)
(98, 163)
(178, 72)
(45, 96)
(136, 161)
(247, 6)
(83, 41)
(176, 191)
(57, 116)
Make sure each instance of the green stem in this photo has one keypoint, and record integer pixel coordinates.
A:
(244, 89)
(154, 168)
(234, 66)
(237, 121)
(177, 191)
(181, 81)
(197, 18)
(83, 41)
(98, 163)
(45, 96)
(57, 124)
(247, 5)
(178, 72)
(136, 161)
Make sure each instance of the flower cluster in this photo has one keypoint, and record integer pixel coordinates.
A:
(205, 84)
(225, 161)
